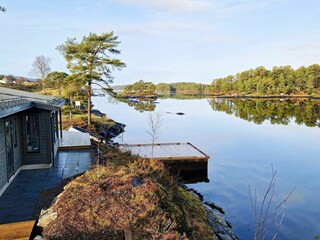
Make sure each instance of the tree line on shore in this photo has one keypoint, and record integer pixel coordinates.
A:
(258, 81)
(182, 87)
(279, 80)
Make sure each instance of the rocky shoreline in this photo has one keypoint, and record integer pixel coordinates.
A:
(216, 219)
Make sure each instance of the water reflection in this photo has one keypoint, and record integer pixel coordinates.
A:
(277, 111)
(140, 104)
(183, 96)
(242, 153)
(189, 171)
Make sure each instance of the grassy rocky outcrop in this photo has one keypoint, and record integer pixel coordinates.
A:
(127, 194)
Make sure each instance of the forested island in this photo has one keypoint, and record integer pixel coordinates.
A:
(283, 80)
(279, 80)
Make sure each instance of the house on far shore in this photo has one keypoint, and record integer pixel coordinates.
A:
(4, 81)
(29, 132)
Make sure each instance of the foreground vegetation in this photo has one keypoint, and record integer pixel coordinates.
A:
(127, 194)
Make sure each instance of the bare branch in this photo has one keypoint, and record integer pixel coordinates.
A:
(41, 67)
(154, 124)
(265, 217)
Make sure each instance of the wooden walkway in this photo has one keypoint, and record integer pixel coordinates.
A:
(19, 230)
(74, 140)
(165, 151)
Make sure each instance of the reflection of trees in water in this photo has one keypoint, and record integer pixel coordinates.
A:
(277, 111)
(140, 105)
(183, 96)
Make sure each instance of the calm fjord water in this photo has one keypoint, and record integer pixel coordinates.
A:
(241, 154)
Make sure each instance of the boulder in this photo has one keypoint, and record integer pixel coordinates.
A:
(46, 217)
(111, 132)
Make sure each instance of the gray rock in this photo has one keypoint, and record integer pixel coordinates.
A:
(46, 217)
(38, 237)
(111, 132)
(136, 182)
(219, 225)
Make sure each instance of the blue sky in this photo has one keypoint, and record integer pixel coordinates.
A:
(166, 40)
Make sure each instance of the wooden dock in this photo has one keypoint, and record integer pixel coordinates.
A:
(19, 230)
(74, 140)
(166, 151)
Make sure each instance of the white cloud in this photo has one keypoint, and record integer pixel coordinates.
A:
(240, 6)
(219, 6)
(175, 5)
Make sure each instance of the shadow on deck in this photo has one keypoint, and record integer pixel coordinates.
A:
(19, 200)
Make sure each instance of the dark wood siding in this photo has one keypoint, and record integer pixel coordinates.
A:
(3, 167)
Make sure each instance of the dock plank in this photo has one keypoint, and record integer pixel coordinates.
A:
(74, 140)
(19, 230)
(166, 151)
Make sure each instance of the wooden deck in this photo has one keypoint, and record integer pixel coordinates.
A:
(165, 151)
(19, 230)
(74, 140)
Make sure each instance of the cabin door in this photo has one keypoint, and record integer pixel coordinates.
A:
(9, 147)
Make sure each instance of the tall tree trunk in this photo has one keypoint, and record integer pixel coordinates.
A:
(89, 103)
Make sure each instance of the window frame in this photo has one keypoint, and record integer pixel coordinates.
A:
(14, 132)
(27, 119)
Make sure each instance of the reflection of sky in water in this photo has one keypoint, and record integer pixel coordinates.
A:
(241, 155)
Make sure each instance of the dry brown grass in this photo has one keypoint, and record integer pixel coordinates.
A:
(80, 119)
(103, 202)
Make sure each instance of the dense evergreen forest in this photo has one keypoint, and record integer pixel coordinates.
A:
(140, 88)
(277, 112)
(259, 81)
(279, 80)
(182, 87)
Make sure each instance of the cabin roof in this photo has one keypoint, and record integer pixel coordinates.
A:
(165, 151)
(12, 101)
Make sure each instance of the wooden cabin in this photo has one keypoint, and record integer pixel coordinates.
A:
(29, 132)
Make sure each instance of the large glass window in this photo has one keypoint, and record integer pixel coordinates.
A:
(33, 133)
